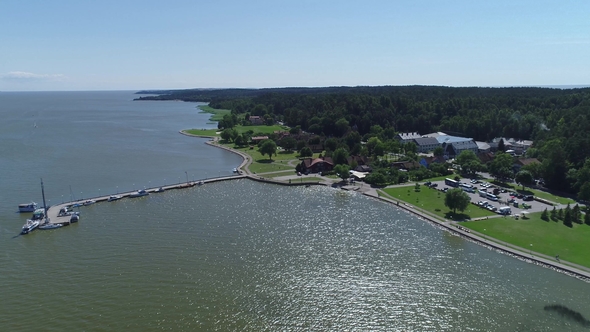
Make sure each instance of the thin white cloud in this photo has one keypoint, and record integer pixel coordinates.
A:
(26, 76)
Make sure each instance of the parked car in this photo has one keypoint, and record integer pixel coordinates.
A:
(527, 198)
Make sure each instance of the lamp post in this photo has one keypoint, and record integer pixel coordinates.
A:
(531, 250)
(185, 173)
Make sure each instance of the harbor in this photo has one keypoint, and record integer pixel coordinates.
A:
(62, 214)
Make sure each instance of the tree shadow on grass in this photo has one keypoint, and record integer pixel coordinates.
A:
(286, 152)
(457, 216)
(524, 192)
(264, 161)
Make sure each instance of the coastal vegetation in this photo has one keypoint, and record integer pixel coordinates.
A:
(557, 120)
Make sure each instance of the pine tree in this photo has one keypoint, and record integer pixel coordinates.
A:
(545, 215)
(587, 218)
(560, 214)
(576, 214)
(554, 214)
(567, 216)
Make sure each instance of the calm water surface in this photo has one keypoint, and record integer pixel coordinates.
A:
(229, 256)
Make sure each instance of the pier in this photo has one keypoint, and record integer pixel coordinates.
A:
(53, 216)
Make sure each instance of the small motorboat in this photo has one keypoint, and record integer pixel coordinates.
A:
(28, 207)
(113, 198)
(75, 217)
(89, 202)
(29, 226)
(48, 226)
(139, 193)
(160, 190)
(38, 214)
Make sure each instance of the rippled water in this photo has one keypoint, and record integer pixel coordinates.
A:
(247, 256)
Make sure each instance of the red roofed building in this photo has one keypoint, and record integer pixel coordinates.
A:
(317, 165)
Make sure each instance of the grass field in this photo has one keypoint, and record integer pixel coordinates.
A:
(216, 114)
(547, 237)
(432, 200)
(202, 132)
(539, 193)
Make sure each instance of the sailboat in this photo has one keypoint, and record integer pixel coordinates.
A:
(46, 224)
(31, 224)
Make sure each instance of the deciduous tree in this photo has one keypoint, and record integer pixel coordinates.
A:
(268, 147)
(457, 199)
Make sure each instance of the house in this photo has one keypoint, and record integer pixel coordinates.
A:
(426, 161)
(483, 147)
(405, 165)
(256, 120)
(453, 149)
(360, 160)
(322, 164)
(363, 169)
(258, 139)
(407, 137)
(316, 148)
(520, 162)
(426, 144)
(485, 157)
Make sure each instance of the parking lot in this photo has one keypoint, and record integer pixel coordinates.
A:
(504, 198)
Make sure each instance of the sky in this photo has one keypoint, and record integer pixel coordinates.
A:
(61, 45)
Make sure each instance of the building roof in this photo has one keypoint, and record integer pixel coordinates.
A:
(358, 175)
(408, 136)
(435, 135)
(423, 141)
(527, 161)
(483, 145)
(462, 145)
(308, 162)
(452, 139)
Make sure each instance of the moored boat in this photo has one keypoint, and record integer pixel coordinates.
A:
(114, 198)
(89, 202)
(28, 207)
(75, 217)
(39, 214)
(139, 193)
(29, 226)
(160, 190)
(48, 226)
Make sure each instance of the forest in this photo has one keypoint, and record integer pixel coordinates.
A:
(557, 120)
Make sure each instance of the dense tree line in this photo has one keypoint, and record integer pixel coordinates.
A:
(558, 120)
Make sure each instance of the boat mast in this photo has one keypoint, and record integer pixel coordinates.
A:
(44, 205)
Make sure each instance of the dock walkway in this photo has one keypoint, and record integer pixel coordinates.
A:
(53, 211)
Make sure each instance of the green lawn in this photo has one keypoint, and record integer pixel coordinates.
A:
(432, 200)
(547, 237)
(539, 193)
(217, 114)
(202, 132)
(262, 129)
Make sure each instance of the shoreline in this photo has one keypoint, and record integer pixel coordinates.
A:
(445, 225)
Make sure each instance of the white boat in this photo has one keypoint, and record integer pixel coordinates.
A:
(29, 226)
(114, 198)
(160, 190)
(48, 226)
(139, 193)
(29, 207)
(89, 202)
